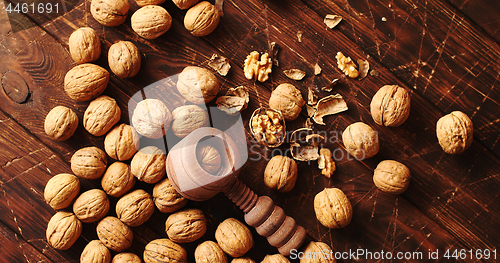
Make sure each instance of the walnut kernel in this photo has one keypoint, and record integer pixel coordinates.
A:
(61, 123)
(268, 127)
(254, 68)
(326, 163)
(347, 65)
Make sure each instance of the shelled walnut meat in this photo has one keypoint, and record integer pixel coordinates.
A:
(390, 106)
(268, 127)
(201, 19)
(101, 115)
(164, 250)
(151, 118)
(109, 12)
(126, 257)
(391, 177)
(122, 142)
(209, 252)
(347, 66)
(85, 82)
(95, 252)
(360, 140)
(186, 226)
(142, 3)
(184, 4)
(135, 208)
(332, 208)
(454, 132)
(234, 237)
(166, 198)
(84, 45)
(257, 66)
(148, 164)
(117, 179)
(91, 206)
(61, 190)
(197, 85)
(287, 99)
(114, 234)
(276, 258)
(89, 163)
(281, 173)
(63, 230)
(60, 123)
(151, 21)
(124, 59)
(316, 250)
(326, 163)
(188, 118)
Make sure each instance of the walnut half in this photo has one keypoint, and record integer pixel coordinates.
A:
(254, 68)
(347, 65)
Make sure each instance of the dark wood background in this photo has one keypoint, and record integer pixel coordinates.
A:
(446, 52)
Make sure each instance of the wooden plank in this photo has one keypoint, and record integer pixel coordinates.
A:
(15, 249)
(483, 13)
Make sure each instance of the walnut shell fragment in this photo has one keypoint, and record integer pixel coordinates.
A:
(164, 250)
(329, 105)
(332, 21)
(235, 100)
(295, 74)
(63, 230)
(114, 234)
(332, 207)
(304, 144)
(329, 87)
(317, 69)
(312, 98)
(364, 67)
(220, 64)
(260, 70)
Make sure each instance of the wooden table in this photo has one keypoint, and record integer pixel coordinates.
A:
(446, 52)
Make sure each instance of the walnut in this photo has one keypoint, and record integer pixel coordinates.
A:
(89, 163)
(208, 157)
(101, 115)
(85, 82)
(63, 230)
(197, 85)
(332, 207)
(360, 140)
(164, 250)
(254, 68)
(122, 142)
(391, 177)
(148, 164)
(135, 208)
(287, 99)
(347, 65)
(151, 118)
(186, 226)
(84, 45)
(326, 163)
(95, 252)
(142, 3)
(114, 234)
(184, 4)
(268, 127)
(117, 180)
(209, 252)
(151, 21)
(109, 12)
(235, 101)
(126, 257)
(124, 59)
(166, 198)
(281, 173)
(242, 260)
(454, 132)
(390, 106)
(201, 19)
(276, 258)
(329, 105)
(91, 206)
(234, 237)
(61, 123)
(314, 253)
(61, 190)
(188, 118)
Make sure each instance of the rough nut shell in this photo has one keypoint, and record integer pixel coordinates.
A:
(151, 118)
(209, 252)
(124, 59)
(276, 258)
(197, 85)
(61, 190)
(287, 99)
(117, 180)
(234, 237)
(126, 257)
(84, 45)
(135, 208)
(122, 142)
(208, 157)
(201, 19)
(85, 82)
(166, 198)
(151, 21)
(91, 206)
(454, 132)
(61, 123)
(242, 260)
(360, 140)
(390, 106)
(184, 4)
(63, 230)
(109, 12)
(89, 162)
(332, 207)
(114, 234)
(186, 226)
(188, 118)
(281, 173)
(164, 250)
(315, 250)
(95, 252)
(392, 177)
(148, 164)
(101, 115)
(142, 3)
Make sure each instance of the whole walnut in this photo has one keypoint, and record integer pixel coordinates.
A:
(89, 163)
(208, 157)
(135, 208)
(124, 59)
(61, 190)
(85, 82)
(122, 142)
(101, 115)
(84, 45)
(142, 3)
(360, 140)
(109, 12)
(184, 4)
(166, 198)
(61, 123)
(95, 252)
(390, 106)
(151, 21)
(148, 164)
(91, 206)
(63, 230)
(187, 119)
(117, 179)
(332, 207)
(151, 118)
(242, 260)
(186, 226)
(114, 234)
(287, 99)
(276, 258)
(392, 177)
(164, 250)
(234, 237)
(197, 85)
(126, 257)
(209, 252)
(454, 132)
(281, 173)
(315, 250)
(201, 19)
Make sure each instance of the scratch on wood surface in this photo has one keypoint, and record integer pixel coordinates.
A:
(19, 158)
(375, 37)
(33, 167)
(14, 218)
(392, 225)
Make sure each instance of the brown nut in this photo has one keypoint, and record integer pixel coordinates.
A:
(126, 257)
(234, 237)
(142, 3)
(287, 99)
(117, 180)
(63, 230)
(60, 123)
(390, 106)
(281, 173)
(95, 252)
(360, 140)
(61, 190)
(151, 21)
(201, 19)
(151, 118)
(84, 45)
(197, 85)
(347, 65)
(109, 12)
(122, 142)
(186, 226)
(148, 164)
(326, 163)
(315, 253)
(258, 69)
(391, 177)
(135, 208)
(114, 234)
(188, 118)
(101, 115)
(268, 127)
(235, 101)
(276, 258)
(454, 132)
(85, 82)
(209, 252)
(332, 207)
(184, 4)
(166, 198)
(89, 162)
(124, 59)
(164, 250)
(242, 260)
(91, 206)
(208, 157)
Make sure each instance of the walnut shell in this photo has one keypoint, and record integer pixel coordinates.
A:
(276, 258)
(234, 237)
(166, 198)
(117, 180)
(151, 118)
(287, 99)
(209, 252)
(315, 251)
(63, 230)
(242, 260)
(84, 45)
(101, 115)
(164, 250)
(126, 257)
(85, 82)
(109, 12)
(124, 59)
(89, 163)
(95, 252)
(114, 234)
(186, 226)
(188, 118)
(61, 190)
(122, 142)
(454, 132)
(208, 157)
(391, 177)
(148, 164)
(332, 207)
(197, 85)
(185, 4)
(360, 140)
(281, 173)
(142, 3)
(61, 123)
(91, 206)
(390, 106)
(201, 19)
(151, 21)
(135, 208)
